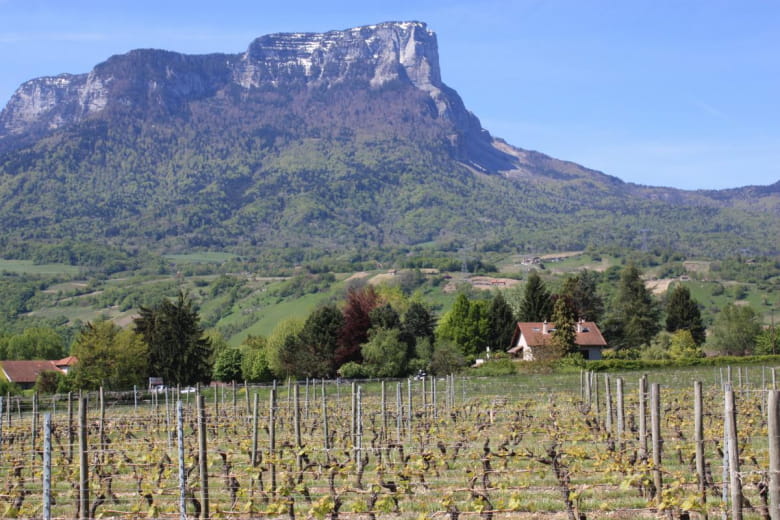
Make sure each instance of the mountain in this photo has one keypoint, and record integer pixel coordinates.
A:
(336, 141)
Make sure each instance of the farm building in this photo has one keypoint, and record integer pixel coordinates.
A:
(25, 373)
(531, 339)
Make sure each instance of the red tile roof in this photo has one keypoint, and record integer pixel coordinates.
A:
(588, 335)
(27, 371)
(67, 362)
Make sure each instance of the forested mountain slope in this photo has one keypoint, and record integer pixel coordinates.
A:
(333, 141)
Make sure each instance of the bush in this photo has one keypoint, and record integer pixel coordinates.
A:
(497, 367)
(352, 370)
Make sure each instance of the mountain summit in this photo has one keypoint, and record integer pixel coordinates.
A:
(340, 140)
(161, 82)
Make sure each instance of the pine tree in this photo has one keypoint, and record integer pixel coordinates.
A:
(178, 350)
(581, 294)
(682, 313)
(536, 304)
(501, 323)
(633, 317)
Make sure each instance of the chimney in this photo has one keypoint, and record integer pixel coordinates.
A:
(544, 327)
(579, 325)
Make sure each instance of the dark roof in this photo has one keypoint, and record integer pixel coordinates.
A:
(27, 371)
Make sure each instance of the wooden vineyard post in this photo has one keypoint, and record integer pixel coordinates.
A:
(102, 423)
(182, 472)
(698, 436)
(168, 419)
(424, 397)
(235, 399)
(47, 466)
(203, 458)
(353, 423)
(730, 418)
(655, 425)
(325, 437)
(620, 416)
(433, 398)
(71, 431)
(399, 413)
(83, 461)
(642, 404)
(594, 384)
(359, 437)
(253, 455)
(272, 438)
(383, 411)
(409, 406)
(774, 379)
(586, 397)
(1, 419)
(773, 425)
(246, 399)
(306, 400)
(607, 405)
(34, 432)
(297, 426)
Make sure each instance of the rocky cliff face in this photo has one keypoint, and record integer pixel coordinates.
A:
(160, 81)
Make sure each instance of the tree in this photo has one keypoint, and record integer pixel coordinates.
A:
(581, 293)
(501, 323)
(178, 350)
(227, 367)
(419, 323)
(683, 346)
(735, 330)
(48, 381)
(314, 352)
(633, 315)
(357, 322)
(385, 355)
(277, 345)
(466, 325)
(564, 335)
(108, 356)
(384, 317)
(35, 343)
(682, 313)
(446, 358)
(768, 342)
(536, 304)
(254, 364)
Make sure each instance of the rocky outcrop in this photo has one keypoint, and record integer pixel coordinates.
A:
(370, 56)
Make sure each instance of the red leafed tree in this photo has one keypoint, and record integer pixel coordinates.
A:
(358, 306)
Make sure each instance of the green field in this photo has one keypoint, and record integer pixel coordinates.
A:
(28, 267)
(206, 257)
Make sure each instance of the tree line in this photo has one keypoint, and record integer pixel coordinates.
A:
(383, 332)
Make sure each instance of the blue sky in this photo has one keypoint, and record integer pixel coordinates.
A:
(664, 93)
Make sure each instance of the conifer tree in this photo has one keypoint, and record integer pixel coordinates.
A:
(633, 316)
(536, 304)
(178, 350)
(682, 313)
(501, 323)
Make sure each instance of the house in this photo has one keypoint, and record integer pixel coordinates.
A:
(532, 339)
(24, 373)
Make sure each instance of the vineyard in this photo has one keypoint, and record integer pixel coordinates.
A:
(521, 447)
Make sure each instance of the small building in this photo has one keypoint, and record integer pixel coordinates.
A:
(24, 373)
(532, 339)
